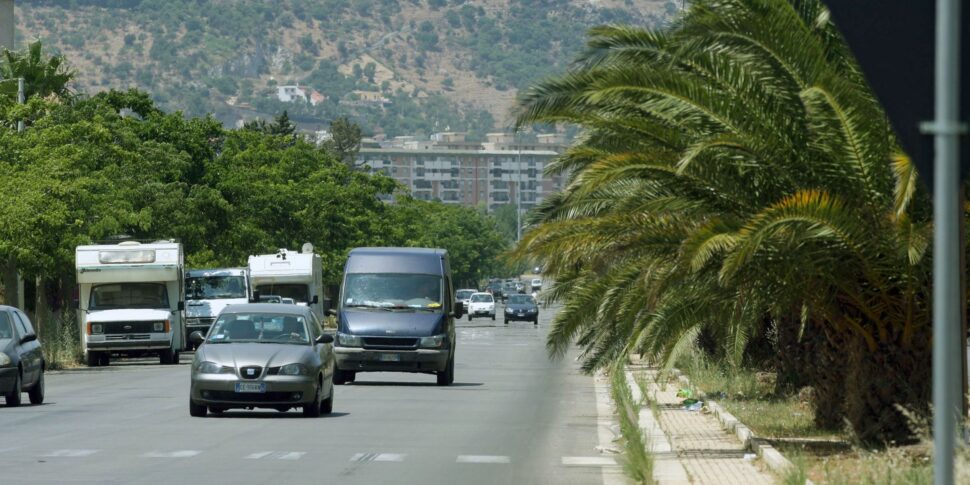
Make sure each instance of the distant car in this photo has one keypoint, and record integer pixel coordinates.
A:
(536, 284)
(482, 305)
(287, 301)
(270, 299)
(263, 355)
(495, 288)
(465, 296)
(523, 308)
(21, 359)
(519, 287)
(537, 270)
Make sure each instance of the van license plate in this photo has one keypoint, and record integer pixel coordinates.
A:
(257, 387)
(390, 358)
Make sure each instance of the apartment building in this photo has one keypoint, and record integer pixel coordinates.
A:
(449, 168)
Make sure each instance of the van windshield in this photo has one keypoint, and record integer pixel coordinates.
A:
(295, 291)
(393, 290)
(215, 287)
(129, 295)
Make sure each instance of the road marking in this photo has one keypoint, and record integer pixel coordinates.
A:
(397, 457)
(482, 459)
(588, 461)
(171, 454)
(72, 453)
(277, 455)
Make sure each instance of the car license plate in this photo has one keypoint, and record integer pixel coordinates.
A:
(390, 358)
(521, 314)
(258, 387)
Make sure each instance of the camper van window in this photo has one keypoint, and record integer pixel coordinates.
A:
(393, 290)
(215, 287)
(294, 291)
(137, 256)
(129, 295)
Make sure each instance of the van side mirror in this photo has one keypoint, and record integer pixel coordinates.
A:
(459, 309)
(181, 306)
(255, 298)
(316, 299)
(325, 339)
(196, 338)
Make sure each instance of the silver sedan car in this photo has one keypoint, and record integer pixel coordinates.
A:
(263, 355)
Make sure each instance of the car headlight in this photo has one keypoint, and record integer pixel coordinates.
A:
(208, 367)
(5, 360)
(432, 342)
(95, 328)
(348, 340)
(294, 370)
(508, 310)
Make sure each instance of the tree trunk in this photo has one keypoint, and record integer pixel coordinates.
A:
(825, 368)
(882, 386)
(11, 284)
(792, 355)
(41, 306)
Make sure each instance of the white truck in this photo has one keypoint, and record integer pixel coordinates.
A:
(131, 300)
(208, 291)
(290, 274)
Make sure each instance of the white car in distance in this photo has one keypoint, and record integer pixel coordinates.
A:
(465, 297)
(481, 305)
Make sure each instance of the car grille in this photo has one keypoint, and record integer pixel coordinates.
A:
(245, 371)
(128, 327)
(130, 336)
(399, 343)
(250, 396)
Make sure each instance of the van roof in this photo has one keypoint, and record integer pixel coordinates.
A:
(396, 260)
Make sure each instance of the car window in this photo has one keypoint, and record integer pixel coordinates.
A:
(520, 299)
(259, 327)
(23, 323)
(479, 298)
(6, 329)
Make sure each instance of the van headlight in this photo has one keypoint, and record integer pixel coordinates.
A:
(95, 328)
(294, 370)
(432, 342)
(4, 360)
(347, 340)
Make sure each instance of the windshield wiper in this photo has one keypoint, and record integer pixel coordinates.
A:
(363, 305)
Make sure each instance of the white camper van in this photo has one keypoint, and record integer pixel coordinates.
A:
(131, 300)
(208, 291)
(290, 274)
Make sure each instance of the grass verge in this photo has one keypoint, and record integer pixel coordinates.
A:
(61, 342)
(637, 461)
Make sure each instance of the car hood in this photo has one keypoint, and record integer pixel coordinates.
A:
(404, 324)
(210, 308)
(521, 306)
(5, 344)
(264, 355)
(481, 303)
(129, 315)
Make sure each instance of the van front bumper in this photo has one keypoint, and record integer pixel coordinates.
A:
(155, 341)
(356, 359)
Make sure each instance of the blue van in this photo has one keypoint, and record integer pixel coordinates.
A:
(396, 313)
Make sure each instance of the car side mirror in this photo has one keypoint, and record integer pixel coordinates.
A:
(255, 298)
(28, 338)
(196, 338)
(459, 309)
(332, 312)
(325, 339)
(316, 299)
(181, 306)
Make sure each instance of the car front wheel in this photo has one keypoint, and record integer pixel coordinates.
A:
(447, 376)
(36, 393)
(197, 410)
(13, 398)
(312, 409)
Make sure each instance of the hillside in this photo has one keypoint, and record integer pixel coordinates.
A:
(395, 66)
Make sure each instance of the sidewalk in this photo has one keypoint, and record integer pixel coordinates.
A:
(694, 440)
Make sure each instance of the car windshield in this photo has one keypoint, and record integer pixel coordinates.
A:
(479, 298)
(297, 292)
(215, 287)
(5, 330)
(520, 300)
(393, 290)
(264, 328)
(463, 294)
(129, 295)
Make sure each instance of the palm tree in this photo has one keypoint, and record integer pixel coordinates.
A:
(43, 75)
(736, 169)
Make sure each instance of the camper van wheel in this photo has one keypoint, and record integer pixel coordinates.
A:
(93, 359)
(167, 357)
(105, 358)
(341, 377)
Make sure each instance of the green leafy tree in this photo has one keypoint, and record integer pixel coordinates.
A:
(43, 75)
(737, 171)
(345, 140)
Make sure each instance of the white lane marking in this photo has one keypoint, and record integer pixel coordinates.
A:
(277, 455)
(588, 461)
(396, 457)
(482, 459)
(256, 456)
(292, 455)
(171, 454)
(72, 453)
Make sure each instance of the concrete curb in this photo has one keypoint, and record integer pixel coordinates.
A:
(667, 468)
(770, 455)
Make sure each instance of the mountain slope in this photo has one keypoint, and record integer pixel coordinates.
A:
(395, 66)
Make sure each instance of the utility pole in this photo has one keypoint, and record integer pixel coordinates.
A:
(6, 25)
(21, 99)
(518, 195)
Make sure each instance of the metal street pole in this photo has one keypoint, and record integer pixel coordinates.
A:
(518, 195)
(21, 99)
(947, 239)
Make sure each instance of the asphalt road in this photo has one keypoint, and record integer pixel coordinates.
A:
(512, 417)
